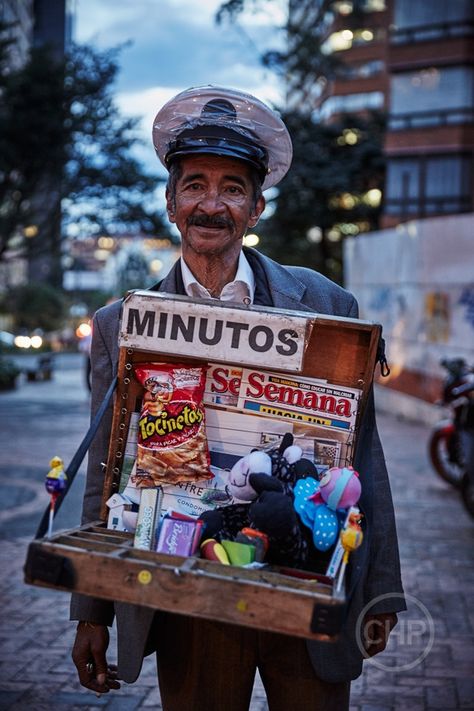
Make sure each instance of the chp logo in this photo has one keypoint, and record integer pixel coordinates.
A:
(410, 641)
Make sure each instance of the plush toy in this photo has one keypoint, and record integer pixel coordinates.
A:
(239, 486)
(318, 517)
(339, 488)
(266, 483)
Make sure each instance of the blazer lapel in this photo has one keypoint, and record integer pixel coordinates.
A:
(287, 291)
(170, 284)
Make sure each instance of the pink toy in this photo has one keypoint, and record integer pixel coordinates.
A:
(339, 488)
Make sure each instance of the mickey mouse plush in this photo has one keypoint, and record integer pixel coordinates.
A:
(264, 484)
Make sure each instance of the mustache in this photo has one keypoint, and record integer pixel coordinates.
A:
(209, 221)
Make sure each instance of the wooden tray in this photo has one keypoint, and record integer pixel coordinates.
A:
(95, 559)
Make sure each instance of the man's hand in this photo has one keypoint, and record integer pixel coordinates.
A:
(376, 630)
(89, 656)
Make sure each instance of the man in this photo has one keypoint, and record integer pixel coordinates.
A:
(222, 148)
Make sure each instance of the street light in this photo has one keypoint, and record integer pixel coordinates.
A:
(251, 240)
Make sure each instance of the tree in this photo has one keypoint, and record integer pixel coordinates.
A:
(325, 196)
(35, 306)
(66, 157)
(303, 63)
(327, 193)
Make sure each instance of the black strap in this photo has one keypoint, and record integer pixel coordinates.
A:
(382, 359)
(76, 461)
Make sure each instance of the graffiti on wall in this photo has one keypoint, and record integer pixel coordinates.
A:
(437, 317)
(467, 299)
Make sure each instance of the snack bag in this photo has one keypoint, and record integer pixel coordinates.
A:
(172, 443)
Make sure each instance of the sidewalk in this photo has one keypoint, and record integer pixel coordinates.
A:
(35, 635)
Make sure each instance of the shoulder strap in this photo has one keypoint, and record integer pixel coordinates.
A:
(76, 461)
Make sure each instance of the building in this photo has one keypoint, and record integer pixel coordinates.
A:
(337, 69)
(413, 60)
(357, 36)
(35, 23)
(416, 275)
(350, 39)
(430, 137)
(101, 263)
(19, 16)
(53, 21)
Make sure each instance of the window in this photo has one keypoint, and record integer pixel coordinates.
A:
(351, 103)
(362, 71)
(429, 185)
(346, 7)
(403, 186)
(408, 13)
(432, 96)
(446, 182)
(424, 21)
(345, 39)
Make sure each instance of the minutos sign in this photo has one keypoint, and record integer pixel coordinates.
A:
(202, 330)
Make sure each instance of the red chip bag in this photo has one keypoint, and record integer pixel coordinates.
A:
(172, 443)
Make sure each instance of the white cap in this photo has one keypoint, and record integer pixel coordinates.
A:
(226, 122)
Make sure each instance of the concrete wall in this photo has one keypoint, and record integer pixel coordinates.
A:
(417, 280)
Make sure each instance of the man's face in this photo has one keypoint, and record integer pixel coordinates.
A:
(214, 205)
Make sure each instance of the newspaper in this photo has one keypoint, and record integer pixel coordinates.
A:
(307, 400)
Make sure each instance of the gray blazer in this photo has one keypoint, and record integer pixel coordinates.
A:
(375, 567)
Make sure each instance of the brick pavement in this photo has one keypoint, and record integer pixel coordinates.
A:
(436, 548)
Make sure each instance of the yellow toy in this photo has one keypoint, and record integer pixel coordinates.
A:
(351, 538)
(56, 483)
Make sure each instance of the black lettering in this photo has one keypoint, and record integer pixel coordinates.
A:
(237, 328)
(134, 324)
(215, 338)
(178, 325)
(268, 335)
(162, 325)
(286, 336)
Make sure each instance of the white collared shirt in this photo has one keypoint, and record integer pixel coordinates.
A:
(241, 290)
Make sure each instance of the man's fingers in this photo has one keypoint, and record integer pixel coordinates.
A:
(87, 677)
(99, 641)
(373, 648)
(111, 680)
(89, 657)
(376, 632)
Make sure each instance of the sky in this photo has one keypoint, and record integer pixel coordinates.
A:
(176, 44)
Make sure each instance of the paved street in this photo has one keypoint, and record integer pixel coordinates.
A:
(427, 666)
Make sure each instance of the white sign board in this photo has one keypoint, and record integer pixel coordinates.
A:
(176, 326)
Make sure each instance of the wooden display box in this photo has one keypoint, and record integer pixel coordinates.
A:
(306, 362)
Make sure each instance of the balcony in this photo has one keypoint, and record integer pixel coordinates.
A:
(423, 207)
(428, 119)
(428, 33)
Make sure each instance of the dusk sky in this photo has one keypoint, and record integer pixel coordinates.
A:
(176, 44)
